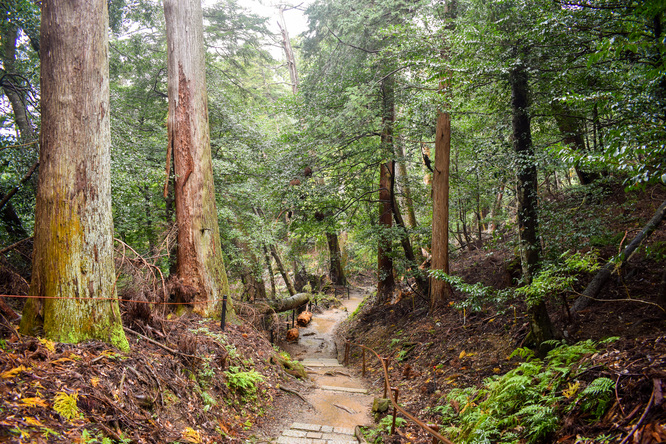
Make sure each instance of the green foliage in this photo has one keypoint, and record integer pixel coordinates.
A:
(374, 435)
(244, 383)
(558, 277)
(526, 404)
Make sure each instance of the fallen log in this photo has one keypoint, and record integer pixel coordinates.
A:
(602, 276)
(292, 334)
(286, 304)
(304, 318)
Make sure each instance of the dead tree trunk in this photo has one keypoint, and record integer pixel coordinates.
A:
(598, 282)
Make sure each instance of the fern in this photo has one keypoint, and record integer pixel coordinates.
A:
(65, 405)
(525, 404)
(596, 397)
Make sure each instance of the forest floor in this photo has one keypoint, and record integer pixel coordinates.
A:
(432, 353)
(193, 383)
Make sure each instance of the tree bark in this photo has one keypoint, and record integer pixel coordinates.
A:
(267, 259)
(413, 265)
(199, 257)
(290, 303)
(541, 328)
(440, 291)
(386, 282)
(288, 51)
(73, 245)
(404, 186)
(526, 174)
(337, 273)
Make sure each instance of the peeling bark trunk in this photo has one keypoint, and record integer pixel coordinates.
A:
(73, 246)
(199, 257)
(440, 291)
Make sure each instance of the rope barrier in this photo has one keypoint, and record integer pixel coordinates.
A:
(100, 299)
(388, 388)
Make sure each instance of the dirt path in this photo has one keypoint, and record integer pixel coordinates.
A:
(339, 400)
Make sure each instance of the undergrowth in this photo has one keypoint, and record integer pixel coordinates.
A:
(527, 404)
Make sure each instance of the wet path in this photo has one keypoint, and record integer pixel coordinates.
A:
(339, 401)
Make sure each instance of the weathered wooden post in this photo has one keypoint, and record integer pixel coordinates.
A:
(395, 408)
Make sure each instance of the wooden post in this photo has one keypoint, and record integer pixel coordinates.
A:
(347, 353)
(363, 363)
(395, 410)
(385, 361)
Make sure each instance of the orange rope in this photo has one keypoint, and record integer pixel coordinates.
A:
(100, 299)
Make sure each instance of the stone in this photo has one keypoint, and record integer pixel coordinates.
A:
(380, 405)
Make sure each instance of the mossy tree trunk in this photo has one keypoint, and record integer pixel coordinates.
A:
(199, 258)
(73, 246)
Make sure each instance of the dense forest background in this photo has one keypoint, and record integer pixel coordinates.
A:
(291, 168)
(388, 140)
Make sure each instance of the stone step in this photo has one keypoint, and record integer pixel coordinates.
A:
(344, 389)
(301, 433)
(322, 362)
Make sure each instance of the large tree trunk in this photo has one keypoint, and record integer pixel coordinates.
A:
(386, 282)
(440, 291)
(199, 257)
(337, 273)
(73, 246)
(541, 328)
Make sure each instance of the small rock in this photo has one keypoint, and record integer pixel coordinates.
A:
(380, 405)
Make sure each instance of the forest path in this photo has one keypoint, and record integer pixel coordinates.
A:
(339, 401)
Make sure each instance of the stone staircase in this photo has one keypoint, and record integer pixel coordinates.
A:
(300, 433)
(339, 393)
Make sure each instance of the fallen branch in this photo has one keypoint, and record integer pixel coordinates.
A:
(152, 341)
(616, 263)
(626, 438)
(348, 410)
(294, 392)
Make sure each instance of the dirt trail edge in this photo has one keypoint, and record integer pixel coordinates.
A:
(339, 399)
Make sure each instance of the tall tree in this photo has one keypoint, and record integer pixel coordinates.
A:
(199, 265)
(73, 256)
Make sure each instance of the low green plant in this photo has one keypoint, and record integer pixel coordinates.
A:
(373, 435)
(244, 383)
(526, 404)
